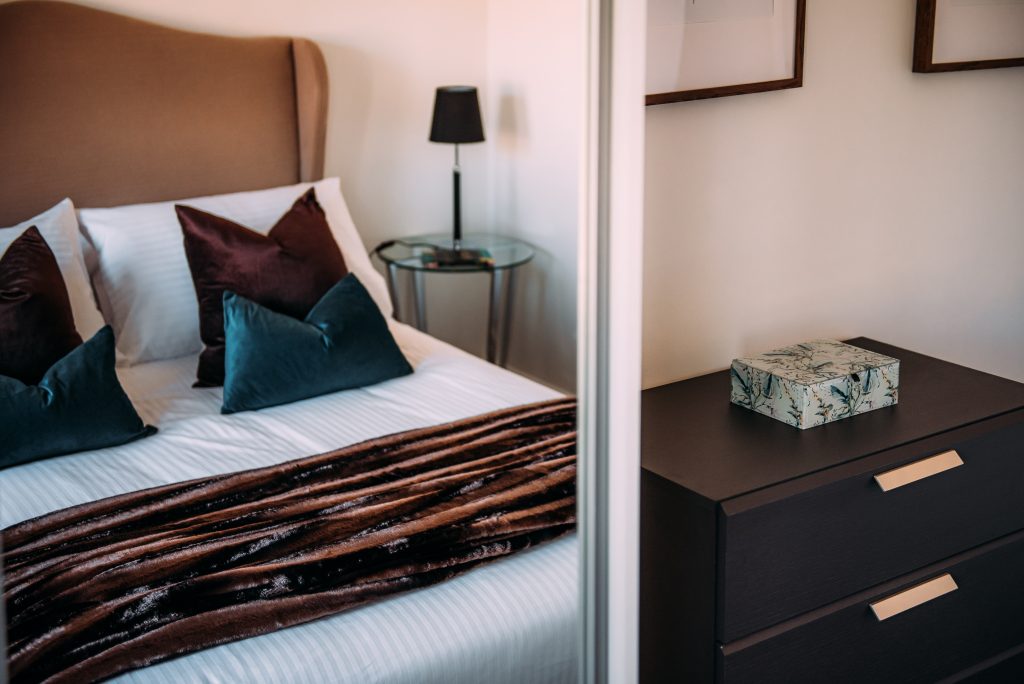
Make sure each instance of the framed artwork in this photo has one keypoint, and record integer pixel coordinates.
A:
(697, 49)
(959, 35)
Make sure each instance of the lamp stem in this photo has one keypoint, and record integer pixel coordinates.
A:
(457, 203)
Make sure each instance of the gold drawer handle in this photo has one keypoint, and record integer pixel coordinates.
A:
(918, 470)
(913, 597)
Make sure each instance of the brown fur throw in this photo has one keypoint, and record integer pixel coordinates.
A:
(113, 585)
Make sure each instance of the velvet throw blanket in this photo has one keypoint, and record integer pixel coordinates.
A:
(98, 589)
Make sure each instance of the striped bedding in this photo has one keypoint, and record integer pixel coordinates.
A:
(510, 621)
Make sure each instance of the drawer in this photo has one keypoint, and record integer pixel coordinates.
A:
(946, 618)
(795, 547)
(1007, 668)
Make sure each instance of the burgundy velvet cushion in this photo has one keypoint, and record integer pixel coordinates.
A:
(287, 271)
(37, 328)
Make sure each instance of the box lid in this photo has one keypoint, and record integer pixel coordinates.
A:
(809, 363)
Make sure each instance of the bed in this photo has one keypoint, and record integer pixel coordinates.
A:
(133, 137)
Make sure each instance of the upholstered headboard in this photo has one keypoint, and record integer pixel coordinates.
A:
(111, 110)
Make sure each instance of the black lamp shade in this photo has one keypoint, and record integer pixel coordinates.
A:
(456, 116)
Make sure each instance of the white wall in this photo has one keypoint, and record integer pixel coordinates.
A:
(384, 59)
(534, 100)
(872, 201)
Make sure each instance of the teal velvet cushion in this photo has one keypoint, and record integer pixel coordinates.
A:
(77, 406)
(273, 359)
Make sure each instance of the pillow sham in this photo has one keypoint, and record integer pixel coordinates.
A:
(287, 270)
(142, 277)
(78, 405)
(59, 228)
(37, 327)
(273, 359)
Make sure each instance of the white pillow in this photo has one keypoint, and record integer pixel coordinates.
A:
(59, 228)
(142, 277)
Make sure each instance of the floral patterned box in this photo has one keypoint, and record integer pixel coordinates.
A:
(817, 382)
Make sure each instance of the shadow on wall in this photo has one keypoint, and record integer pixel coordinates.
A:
(533, 310)
(511, 124)
(509, 139)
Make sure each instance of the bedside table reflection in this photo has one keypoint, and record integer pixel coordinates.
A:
(498, 255)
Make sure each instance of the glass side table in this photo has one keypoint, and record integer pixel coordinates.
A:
(413, 255)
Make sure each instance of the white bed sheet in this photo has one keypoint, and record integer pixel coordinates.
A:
(513, 620)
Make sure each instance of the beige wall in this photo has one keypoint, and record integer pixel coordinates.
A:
(535, 91)
(873, 201)
(384, 58)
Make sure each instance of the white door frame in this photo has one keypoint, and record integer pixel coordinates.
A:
(609, 311)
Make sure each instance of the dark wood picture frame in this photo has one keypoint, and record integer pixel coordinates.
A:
(795, 81)
(924, 44)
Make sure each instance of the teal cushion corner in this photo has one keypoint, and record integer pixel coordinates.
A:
(78, 405)
(273, 359)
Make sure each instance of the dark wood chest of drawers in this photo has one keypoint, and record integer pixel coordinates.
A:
(888, 547)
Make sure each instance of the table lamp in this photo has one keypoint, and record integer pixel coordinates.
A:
(457, 120)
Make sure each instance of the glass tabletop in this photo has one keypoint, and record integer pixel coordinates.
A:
(490, 251)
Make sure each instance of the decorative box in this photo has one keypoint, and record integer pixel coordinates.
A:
(817, 382)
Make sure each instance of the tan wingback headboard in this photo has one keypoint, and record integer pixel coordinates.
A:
(110, 110)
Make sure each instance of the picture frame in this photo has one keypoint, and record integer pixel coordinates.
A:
(700, 49)
(964, 35)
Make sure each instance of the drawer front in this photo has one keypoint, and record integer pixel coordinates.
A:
(922, 628)
(785, 556)
(1008, 669)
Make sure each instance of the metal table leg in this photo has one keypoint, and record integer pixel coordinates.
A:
(419, 294)
(393, 290)
(419, 310)
(499, 322)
